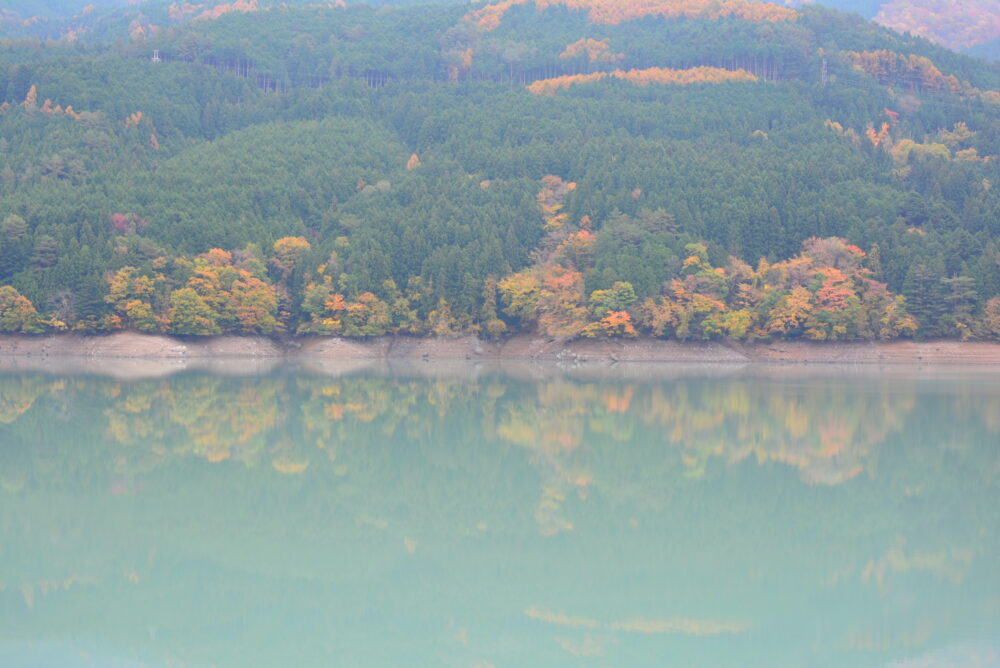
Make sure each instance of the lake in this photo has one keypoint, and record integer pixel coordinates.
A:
(512, 516)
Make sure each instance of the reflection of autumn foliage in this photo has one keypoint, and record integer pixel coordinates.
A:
(50, 586)
(220, 421)
(289, 466)
(551, 426)
(564, 450)
(950, 565)
(613, 12)
(992, 421)
(552, 429)
(560, 619)
(416, 465)
(652, 75)
(689, 627)
(572, 433)
(17, 396)
(334, 409)
(675, 626)
(825, 433)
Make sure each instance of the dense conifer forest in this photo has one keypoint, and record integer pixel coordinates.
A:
(675, 168)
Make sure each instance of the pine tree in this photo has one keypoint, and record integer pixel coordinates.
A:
(923, 290)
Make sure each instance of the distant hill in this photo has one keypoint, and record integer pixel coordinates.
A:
(866, 8)
(971, 26)
(58, 8)
(962, 25)
(75, 19)
(989, 50)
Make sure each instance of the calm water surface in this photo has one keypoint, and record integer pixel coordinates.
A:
(754, 518)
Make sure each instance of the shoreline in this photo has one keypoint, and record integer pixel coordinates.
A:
(523, 348)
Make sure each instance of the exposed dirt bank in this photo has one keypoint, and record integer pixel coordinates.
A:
(130, 345)
(129, 356)
(135, 345)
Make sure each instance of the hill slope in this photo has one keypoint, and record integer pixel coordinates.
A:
(599, 168)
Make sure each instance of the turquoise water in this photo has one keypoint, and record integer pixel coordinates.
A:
(645, 517)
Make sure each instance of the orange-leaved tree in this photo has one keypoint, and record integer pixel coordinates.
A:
(645, 77)
(135, 296)
(613, 12)
(17, 313)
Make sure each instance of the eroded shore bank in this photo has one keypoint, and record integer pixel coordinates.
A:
(130, 345)
(127, 355)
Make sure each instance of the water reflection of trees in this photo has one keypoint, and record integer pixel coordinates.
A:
(208, 417)
(436, 458)
(828, 432)
(18, 395)
(628, 440)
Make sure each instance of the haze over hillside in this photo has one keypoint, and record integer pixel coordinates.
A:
(963, 25)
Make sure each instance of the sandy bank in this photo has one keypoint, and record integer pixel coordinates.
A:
(134, 346)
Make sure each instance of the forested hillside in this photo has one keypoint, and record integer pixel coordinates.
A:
(676, 168)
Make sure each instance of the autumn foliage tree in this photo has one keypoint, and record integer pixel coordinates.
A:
(334, 309)
(913, 71)
(190, 314)
(17, 313)
(134, 298)
(613, 12)
(595, 51)
(645, 77)
(288, 252)
(550, 294)
(236, 291)
(331, 313)
(551, 200)
(823, 294)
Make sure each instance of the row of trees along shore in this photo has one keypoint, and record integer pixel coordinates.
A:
(829, 292)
